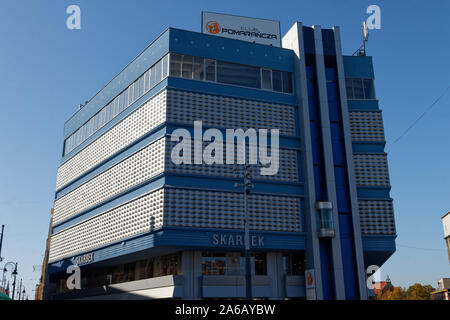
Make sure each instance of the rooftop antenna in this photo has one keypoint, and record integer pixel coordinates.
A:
(365, 37)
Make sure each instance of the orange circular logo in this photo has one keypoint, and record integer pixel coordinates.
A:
(213, 27)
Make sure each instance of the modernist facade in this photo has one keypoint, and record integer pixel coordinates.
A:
(140, 226)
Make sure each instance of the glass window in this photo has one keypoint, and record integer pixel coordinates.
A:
(358, 91)
(369, 92)
(108, 113)
(238, 74)
(186, 68)
(130, 94)
(136, 90)
(276, 81)
(349, 86)
(198, 68)
(210, 69)
(125, 99)
(152, 77)
(294, 264)
(158, 72)
(213, 263)
(165, 66)
(121, 105)
(175, 64)
(147, 81)
(141, 86)
(266, 79)
(260, 264)
(287, 82)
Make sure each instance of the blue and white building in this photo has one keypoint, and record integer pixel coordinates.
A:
(140, 226)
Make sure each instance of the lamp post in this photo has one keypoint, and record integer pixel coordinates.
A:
(247, 186)
(14, 273)
(1, 242)
(5, 270)
(19, 289)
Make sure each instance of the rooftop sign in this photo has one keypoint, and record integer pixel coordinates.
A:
(242, 28)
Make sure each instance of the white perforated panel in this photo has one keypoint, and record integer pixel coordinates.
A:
(214, 209)
(377, 217)
(135, 217)
(227, 112)
(366, 126)
(287, 167)
(135, 125)
(135, 169)
(371, 170)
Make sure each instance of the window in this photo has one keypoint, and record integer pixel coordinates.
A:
(157, 72)
(165, 66)
(232, 263)
(260, 263)
(175, 64)
(266, 76)
(198, 68)
(210, 70)
(238, 74)
(294, 264)
(213, 263)
(186, 67)
(276, 78)
(287, 82)
(369, 90)
(362, 89)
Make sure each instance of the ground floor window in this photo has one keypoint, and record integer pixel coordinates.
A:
(232, 263)
(294, 264)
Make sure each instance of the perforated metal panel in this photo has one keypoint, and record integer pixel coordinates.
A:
(377, 217)
(133, 170)
(287, 166)
(371, 170)
(135, 125)
(135, 217)
(366, 126)
(227, 112)
(215, 209)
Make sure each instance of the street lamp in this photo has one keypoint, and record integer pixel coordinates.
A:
(247, 184)
(14, 272)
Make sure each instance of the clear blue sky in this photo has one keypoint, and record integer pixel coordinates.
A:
(46, 70)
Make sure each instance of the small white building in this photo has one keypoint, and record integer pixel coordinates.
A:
(446, 224)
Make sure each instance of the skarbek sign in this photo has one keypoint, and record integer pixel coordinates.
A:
(242, 28)
(235, 240)
(85, 258)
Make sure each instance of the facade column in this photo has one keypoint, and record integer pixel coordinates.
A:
(192, 273)
(350, 167)
(328, 161)
(294, 40)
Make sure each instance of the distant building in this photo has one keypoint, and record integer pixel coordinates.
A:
(379, 288)
(443, 292)
(446, 224)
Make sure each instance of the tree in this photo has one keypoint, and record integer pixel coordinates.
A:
(398, 293)
(419, 292)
